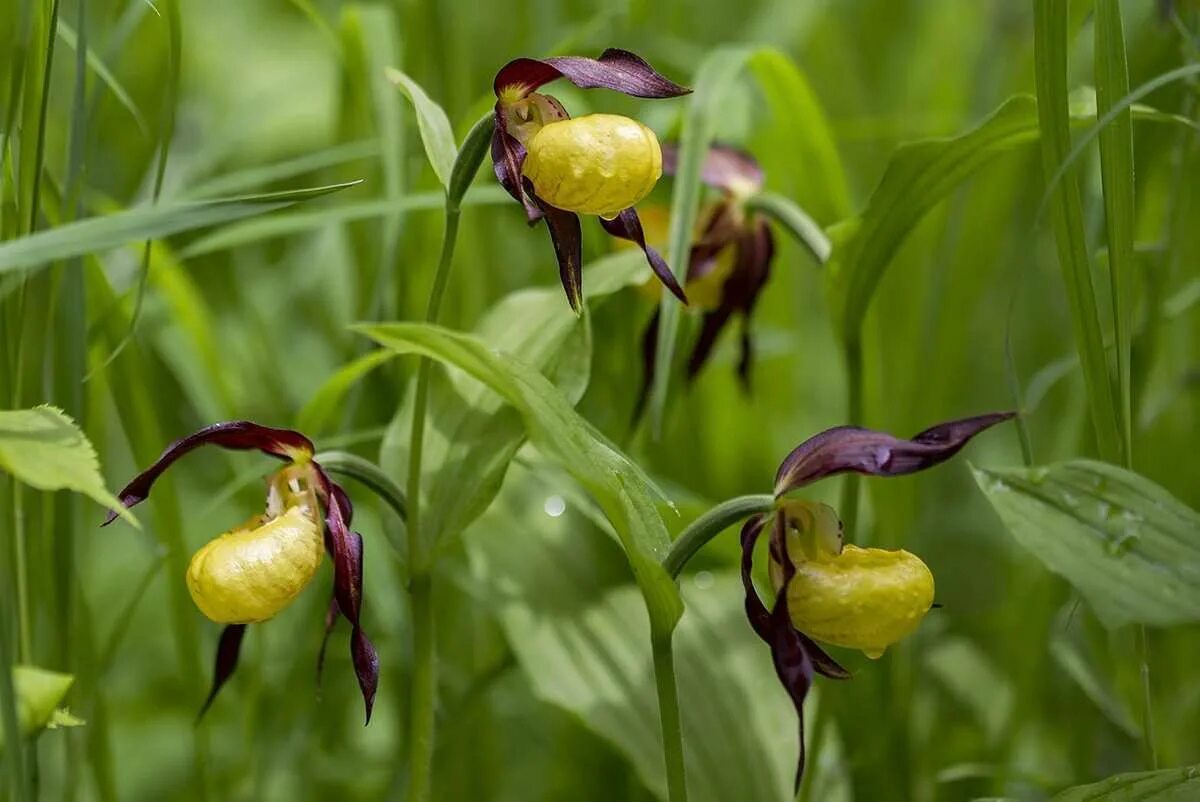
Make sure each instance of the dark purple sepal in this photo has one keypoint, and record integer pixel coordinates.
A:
(346, 549)
(850, 448)
(795, 656)
(567, 237)
(616, 69)
(238, 435)
(739, 295)
(508, 157)
(628, 226)
(724, 168)
(228, 648)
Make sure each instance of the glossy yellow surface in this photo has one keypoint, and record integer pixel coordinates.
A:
(253, 572)
(864, 599)
(598, 164)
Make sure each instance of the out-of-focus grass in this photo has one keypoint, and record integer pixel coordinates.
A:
(1012, 689)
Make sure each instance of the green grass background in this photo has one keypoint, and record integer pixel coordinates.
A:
(1011, 690)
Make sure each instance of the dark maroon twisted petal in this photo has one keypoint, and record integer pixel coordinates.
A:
(616, 69)
(346, 548)
(567, 237)
(628, 226)
(739, 295)
(238, 435)
(795, 656)
(508, 157)
(724, 167)
(228, 648)
(850, 448)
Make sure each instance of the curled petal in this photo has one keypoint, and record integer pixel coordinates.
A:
(628, 226)
(239, 435)
(795, 656)
(616, 69)
(739, 295)
(346, 548)
(228, 648)
(508, 155)
(568, 248)
(725, 168)
(850, 448)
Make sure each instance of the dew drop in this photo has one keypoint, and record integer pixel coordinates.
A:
(555, 506)
(703, 580)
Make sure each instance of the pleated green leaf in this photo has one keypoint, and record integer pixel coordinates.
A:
(1168, 785)
(1130, 547)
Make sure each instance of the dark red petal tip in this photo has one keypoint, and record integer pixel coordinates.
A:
(616, 69)
(508, 156)
(238, 435)
(228, 648)
(567, 237)
(795, 656)
(628, 226)
(850, 448)
(725, 168)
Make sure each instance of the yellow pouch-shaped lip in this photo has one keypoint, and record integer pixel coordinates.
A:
(251, 573)
(597, 164)
(863, 598)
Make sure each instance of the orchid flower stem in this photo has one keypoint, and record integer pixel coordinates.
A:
(712, 523)
(848, 506)
(668, 712)
(423, 690)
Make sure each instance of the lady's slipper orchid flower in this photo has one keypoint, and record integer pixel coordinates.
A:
(558, 167)
(858, 598)
(253, 572)
(729, 263)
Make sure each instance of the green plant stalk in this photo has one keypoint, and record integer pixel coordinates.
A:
(1050, 51)
(848, 506)
(423, 691)
(712, 523)
(1116, 171)
(24, 635)
(668, 714)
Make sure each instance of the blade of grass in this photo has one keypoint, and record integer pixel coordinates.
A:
(1050, 51)
(75, 41)
(714, 79)
(96, 234)
(253, 178)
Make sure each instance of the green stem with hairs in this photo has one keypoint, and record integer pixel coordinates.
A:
(848, 507)
(668, 713)
(423, 690)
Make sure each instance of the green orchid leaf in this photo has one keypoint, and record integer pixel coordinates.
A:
(1130, 547)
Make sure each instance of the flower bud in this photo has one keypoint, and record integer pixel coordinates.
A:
(598, 164)
(251, 573)
(38, 695)
(863, 598)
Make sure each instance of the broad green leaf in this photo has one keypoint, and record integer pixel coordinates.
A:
(436, 134)
(144, 222)
(472, 434)
(39, 693)
(578, 635)
(617, 484)
(1051, 43)
(1130, 547)
(1167, 785)
(714, 79)
(44, 448)
(1079, 661)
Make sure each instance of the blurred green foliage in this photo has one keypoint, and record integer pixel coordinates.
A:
(1013, 689)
